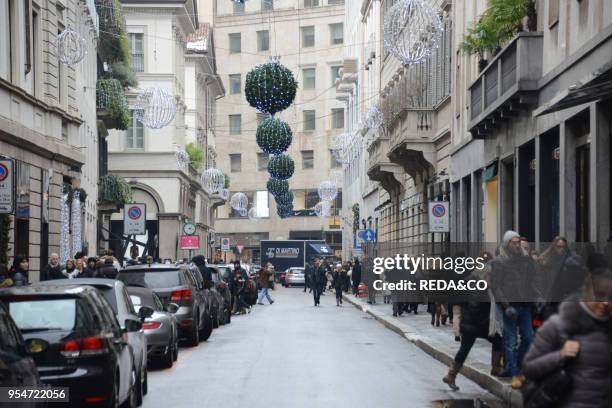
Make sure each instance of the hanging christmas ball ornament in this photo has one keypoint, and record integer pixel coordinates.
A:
(243, 212)
(340, 148)
(412, 29)
(274, 136)
(323, 209)
(337, 176)
(213, 181)
(374, 118)
(77, 243)
(70, 46)
(284, 210)
(182, 158)
(328, 190)
(285, 198)
(239, 201)
(281, 167)
(277, 187)
(252, 214)
(270, 87)
(155, 107)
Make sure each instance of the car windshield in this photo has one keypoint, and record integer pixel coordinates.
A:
(43, 314)
(224, 273)
(151, 279)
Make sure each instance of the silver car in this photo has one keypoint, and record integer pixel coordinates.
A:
(295, 276)
(161, 329)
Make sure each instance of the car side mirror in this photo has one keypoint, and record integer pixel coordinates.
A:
(132, 325)
(172, 308)
(144, 312)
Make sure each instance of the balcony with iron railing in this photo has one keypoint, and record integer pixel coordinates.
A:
(508, 84)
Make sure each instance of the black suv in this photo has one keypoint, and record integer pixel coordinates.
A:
(76, 342)
(175, 284)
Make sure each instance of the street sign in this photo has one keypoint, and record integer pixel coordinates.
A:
(239, 248)
(368, 235)
(7, 186)
(225, 244)
(439, 216)
(134, 219)
(190, 242)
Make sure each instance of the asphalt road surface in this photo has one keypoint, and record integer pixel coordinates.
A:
(291, 354)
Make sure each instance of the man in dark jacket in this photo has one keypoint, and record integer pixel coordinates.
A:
(108, 270)
(264, 284)
(319, 280)
(513, 281)
(356, 276)
(52, 270)
(308, 277)
(200, 262)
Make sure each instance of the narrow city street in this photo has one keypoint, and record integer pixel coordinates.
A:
(291, 354)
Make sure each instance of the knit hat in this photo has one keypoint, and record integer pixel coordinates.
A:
(508, 235)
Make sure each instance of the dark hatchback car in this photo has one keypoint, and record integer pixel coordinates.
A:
(76, 342)
(175, 284)
(214, 299)
(130, 322)
(17, 367)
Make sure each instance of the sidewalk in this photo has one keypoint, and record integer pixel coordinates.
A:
(440, 344)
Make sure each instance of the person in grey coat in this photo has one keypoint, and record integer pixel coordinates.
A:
(579, 340)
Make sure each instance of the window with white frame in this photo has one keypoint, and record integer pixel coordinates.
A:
(267, 5)
(337, 115)
(235, 84)
(308, 36)
(336, 33)
(335, 74)
(309, 78)
(307, 159)
(134, 136)
(235, 124)
(137, 51)
(5, 39)
(235, 162)
(235, 43)
(238, 7)
(311, 3)
(262, 161)
(309, 120)
(261, 204)
(263, 40)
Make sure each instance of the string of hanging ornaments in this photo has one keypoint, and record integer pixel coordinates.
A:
(412, 29)
(182, 158)
(224, 193)
(239, 202)
(65, 231)
(77, 244)
(70, 46)
(328, 190)
(155, 107)
(281, 167)
(345, 147)
(374, 118)
(213, 181)
(285, 198)
(284, 210)
(323, 209)
(274, 136)
(252, 214)
(243, 212)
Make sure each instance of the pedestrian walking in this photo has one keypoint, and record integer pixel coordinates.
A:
(307, 277)
(90, 271)
(5, 280)
(569, 363)
(356, 276)
(264, 284)
(339, 278)
(200, 262)
(53, 269)
(20, 270)
(108, 270)
(319, 279)
(513, 281)
(70, 271)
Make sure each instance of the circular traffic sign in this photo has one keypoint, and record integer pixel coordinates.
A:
(134, 212)
(4, 172)
(438, 210)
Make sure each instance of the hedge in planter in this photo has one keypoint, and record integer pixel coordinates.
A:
(281, 167)
(274, 136)
(270, 87)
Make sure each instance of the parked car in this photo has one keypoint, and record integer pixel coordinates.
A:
(161, 329)
(295, 276)
(130, 322)
(221, 278)
(77, 342)
(17, 367)
(214, 300)
(280, 276)
(175, 284)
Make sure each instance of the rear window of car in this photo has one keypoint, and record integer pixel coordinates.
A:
(151, 279)
(139, 300)
(44, 314)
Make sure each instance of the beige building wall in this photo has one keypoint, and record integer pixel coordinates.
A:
(284, 27)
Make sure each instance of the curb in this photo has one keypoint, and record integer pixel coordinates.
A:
(482, 378)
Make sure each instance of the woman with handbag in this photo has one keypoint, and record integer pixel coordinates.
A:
(569, 363)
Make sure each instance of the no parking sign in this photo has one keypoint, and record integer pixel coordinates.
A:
(7, 186)
(438, 216)
(134, 219)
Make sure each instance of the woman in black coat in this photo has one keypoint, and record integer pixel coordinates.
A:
(578, 340)
(339, 276)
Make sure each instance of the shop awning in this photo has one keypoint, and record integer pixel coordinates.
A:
(489, 173)
(321, 249)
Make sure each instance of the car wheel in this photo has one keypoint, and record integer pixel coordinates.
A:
(206, 330)
(167, 360)
(138, 389)
(145, 383)
(194, 337)
(131, 401)
(176, 348)
(113, 402)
